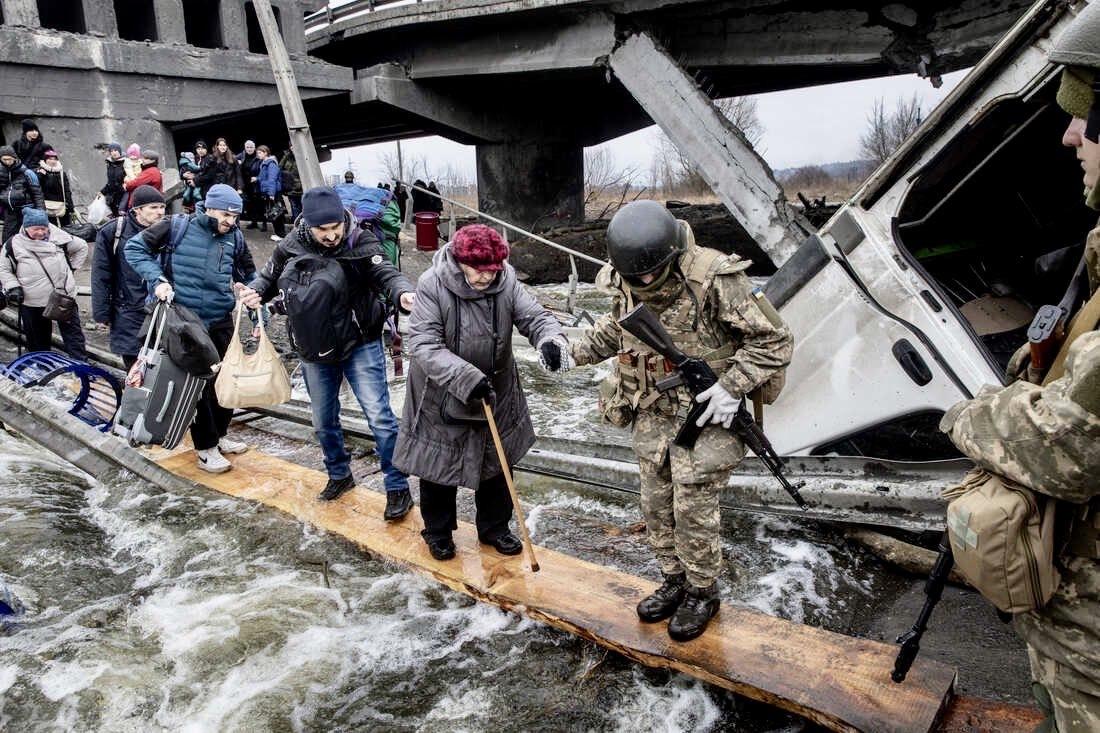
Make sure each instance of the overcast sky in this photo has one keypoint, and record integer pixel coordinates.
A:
(801, 127)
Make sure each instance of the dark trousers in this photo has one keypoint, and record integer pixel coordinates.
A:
(493, 503)
(13, 219)
(38, 331)
(211, 419)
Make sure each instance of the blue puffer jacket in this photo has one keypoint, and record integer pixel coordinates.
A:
(118, 292)
(204, 264)
(269, 178)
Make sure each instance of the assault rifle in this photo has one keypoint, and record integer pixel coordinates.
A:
(933, 591)
(697, 376)
(1048, 328)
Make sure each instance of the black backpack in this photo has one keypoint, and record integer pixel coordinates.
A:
(318, 301)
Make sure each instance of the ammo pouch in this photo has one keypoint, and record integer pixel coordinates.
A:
(615, 407)
(456, 412)
(1002, 537)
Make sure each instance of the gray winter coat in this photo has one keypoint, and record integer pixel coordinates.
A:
(57, 257)
(453, 344)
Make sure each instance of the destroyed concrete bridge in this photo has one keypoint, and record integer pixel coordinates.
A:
(530, 83)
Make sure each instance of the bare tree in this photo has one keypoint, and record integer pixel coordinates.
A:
(606, 186)
(886, 131)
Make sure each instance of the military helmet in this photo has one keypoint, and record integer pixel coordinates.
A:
(643, 237)
(1079, 45)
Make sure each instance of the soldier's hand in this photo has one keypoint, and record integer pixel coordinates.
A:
(721, 406)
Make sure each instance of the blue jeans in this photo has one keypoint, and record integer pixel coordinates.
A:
(365, 370)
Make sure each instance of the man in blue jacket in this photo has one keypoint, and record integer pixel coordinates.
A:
(203, 268)
(118, 292)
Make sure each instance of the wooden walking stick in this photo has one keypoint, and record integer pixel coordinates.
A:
(520, 520)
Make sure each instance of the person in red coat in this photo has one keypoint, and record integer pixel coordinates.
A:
(149, 176)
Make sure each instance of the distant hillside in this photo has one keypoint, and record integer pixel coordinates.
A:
(852, 169)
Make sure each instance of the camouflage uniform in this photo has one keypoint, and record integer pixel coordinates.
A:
(741, 336)
(1048, 438)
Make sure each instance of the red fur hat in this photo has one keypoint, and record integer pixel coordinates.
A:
(480, 247)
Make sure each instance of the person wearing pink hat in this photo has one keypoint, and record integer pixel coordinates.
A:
(460, 341)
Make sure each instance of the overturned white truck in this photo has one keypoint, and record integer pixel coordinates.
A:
(917, 292)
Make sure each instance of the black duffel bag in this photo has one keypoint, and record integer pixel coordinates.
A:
(81, 230)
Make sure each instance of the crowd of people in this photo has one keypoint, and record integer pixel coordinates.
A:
(335, 282)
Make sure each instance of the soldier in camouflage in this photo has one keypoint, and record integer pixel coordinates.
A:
(712, 311)
(1047, 437)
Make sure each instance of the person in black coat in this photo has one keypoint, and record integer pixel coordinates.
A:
(19, 187)
(118, 292)
(401, 195)
(435, 201)
(113, 190)
(421, 200)
(30, 147)
(56, 188)
(254, 201)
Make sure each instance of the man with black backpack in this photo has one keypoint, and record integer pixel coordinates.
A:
(118, 292)
(329, 274)
(200, 260)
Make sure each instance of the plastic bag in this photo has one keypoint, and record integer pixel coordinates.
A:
(251, 380)
(98, 211)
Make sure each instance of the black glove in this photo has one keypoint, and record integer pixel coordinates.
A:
(15, 296)
(481, 391)
(3, 299)
(551, 354)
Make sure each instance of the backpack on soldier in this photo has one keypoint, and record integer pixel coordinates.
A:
(1002, 537)
(317, 297)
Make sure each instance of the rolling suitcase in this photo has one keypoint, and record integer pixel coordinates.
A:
(161, 410)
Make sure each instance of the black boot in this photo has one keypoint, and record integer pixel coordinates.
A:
(662, 603)
(337, 486)
(441, 548)
(506, 544)
(398, 504)
(693, 615)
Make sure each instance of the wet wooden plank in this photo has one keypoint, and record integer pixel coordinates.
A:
(977, 715)
(840, 682)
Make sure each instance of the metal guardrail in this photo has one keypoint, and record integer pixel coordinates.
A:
(323, 18)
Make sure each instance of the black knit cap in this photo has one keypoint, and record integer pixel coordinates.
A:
(29, 124)
(143, 195)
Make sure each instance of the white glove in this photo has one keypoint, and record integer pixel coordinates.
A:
(562, 361)
(722, 406)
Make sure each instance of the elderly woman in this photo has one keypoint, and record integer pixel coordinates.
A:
(460, 340)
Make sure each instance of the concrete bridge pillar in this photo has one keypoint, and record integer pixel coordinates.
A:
(717, 149)
(293, 26)
(234, 26)
(99, 18)
(535, 183)
(20, 12)
(170, 23)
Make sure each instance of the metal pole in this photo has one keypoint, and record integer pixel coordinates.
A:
(305, 154)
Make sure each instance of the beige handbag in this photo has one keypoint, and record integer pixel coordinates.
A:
(1002, 537)
(251, 380)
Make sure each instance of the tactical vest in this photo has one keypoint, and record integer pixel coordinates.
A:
(691, 323)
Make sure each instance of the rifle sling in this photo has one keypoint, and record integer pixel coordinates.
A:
(1085, 321)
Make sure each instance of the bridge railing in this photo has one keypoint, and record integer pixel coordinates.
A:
(322, 18)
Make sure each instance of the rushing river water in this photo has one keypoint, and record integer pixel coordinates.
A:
(146, 610)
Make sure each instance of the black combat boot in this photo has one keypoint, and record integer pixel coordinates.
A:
(662, 603)
(693, 615)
